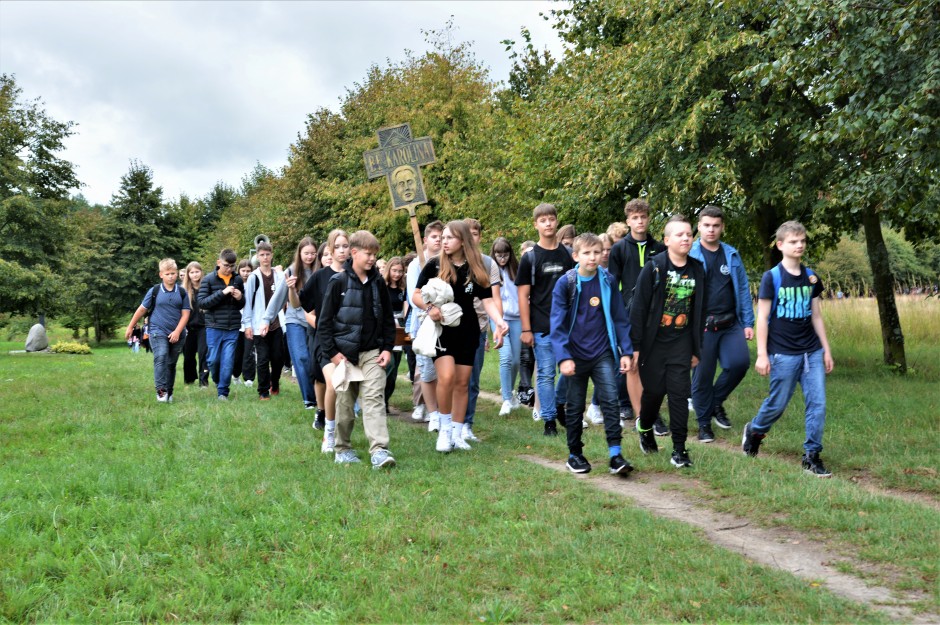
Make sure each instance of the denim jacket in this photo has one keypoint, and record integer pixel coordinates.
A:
(742, 292)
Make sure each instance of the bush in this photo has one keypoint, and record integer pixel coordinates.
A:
(70, 347)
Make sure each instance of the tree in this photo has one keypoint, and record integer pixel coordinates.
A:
(873, 70)
(34, 184)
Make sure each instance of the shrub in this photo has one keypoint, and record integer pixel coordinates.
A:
(70, 347)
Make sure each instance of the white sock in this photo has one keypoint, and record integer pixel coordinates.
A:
(435, 415)
(331, 426)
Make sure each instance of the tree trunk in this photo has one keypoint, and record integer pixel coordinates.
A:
(766, 221)
(891, 336)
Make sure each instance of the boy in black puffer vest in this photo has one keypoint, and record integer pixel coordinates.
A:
(356, 325)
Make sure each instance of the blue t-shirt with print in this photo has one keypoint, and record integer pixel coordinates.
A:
(791, 324)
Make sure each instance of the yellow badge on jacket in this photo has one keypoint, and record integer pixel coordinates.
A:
(595, 302)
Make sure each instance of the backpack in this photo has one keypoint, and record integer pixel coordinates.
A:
(777, 280)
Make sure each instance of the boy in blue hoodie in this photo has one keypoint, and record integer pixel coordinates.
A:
(590, 336)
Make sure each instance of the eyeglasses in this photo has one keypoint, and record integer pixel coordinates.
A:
(501, 254)
(227, 265)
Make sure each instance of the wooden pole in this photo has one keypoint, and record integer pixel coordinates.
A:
(416, 231)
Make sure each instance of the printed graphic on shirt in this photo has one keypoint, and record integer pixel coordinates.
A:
(595, 302)
(679, 290)
(795, 302)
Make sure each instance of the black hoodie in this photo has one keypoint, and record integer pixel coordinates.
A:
(624, 265)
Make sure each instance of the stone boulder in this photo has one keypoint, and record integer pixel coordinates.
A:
(37, 340)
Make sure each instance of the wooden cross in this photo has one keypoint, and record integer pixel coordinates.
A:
(399, 159)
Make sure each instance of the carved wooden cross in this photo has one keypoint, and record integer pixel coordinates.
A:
(399, 159)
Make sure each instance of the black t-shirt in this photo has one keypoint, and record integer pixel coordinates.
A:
(311, 296)
(675, 335)
(719, 290)
(397, 295)
(549, 266)
(466, 336)
(791, 325)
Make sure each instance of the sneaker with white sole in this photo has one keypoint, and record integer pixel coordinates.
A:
(535, 415)
(418, 413)
(506, 408)
(161, 396)
(444, 444)
(659, 427)
(468, 435)
(459, 442)
(680, 459)
(594, 414)
(514, 402)
(249, 383)
(346, 457)
(578, 464)
(434, 423)
(382, 459)
(329, 442)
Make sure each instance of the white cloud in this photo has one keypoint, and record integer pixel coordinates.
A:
(201, 91)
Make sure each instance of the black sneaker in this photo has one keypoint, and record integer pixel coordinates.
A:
(319, 422)
(551, 428)
(647, 440)
(680, 459)
(721, 418)
(620, 465)
(813, 465)
(659, 428)
(578, 464)
(750, 441)
(626, 414)
(705, 434)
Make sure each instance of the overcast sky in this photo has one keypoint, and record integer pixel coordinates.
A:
(201, 91)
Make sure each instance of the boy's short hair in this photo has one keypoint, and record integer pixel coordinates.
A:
(264, 246)
(435, 226)
(675, 219)
(617, 230)
(605, 238)
(167, 263)
(585, 240)
(363, 240)
(473, 224)
(790, 227)
(636, 206)
(228, 255)
(712, 211)
(527, 245)
(544, 209)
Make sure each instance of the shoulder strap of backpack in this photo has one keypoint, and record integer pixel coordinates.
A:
(153, 299)
(777, 279)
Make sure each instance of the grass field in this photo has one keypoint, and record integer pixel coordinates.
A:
(116, 508)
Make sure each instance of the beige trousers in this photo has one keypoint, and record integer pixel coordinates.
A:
(371, 394)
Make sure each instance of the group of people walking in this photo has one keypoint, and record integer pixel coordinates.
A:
(643, 320)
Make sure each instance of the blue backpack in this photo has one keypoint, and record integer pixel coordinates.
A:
(777, 280)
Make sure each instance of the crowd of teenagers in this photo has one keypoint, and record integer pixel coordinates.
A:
(643, 320)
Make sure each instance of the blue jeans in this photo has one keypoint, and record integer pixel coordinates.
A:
(221, 356)
(474, 391)
(509, 359)
(300, 357)
(165, 357)
(545, 375)
(603, 371)
(785, 371)
(727, 347)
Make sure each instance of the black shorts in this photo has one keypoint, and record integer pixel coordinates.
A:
(461, 357)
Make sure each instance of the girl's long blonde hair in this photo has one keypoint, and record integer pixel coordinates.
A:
(478, 273)
(187, 283)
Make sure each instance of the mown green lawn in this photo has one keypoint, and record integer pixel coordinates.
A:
(116, 508)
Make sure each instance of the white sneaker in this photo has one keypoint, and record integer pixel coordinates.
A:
(595, 415)
(329, 441)
(460, 443)
(418, 413)
(505, 408)
(585, 424)
(434, 424)
(691, 407)
(514, 402)
(444, 444)
(249, 383)
(235, 382)
(535, 415)
(467, 434)
(161, 398)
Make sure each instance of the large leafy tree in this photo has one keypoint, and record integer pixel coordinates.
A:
(34, 185)
(872, 69)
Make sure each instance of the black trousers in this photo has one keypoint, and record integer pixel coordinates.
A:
(269, 351)
(244, 366)
(659, 380)
(194, 347)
